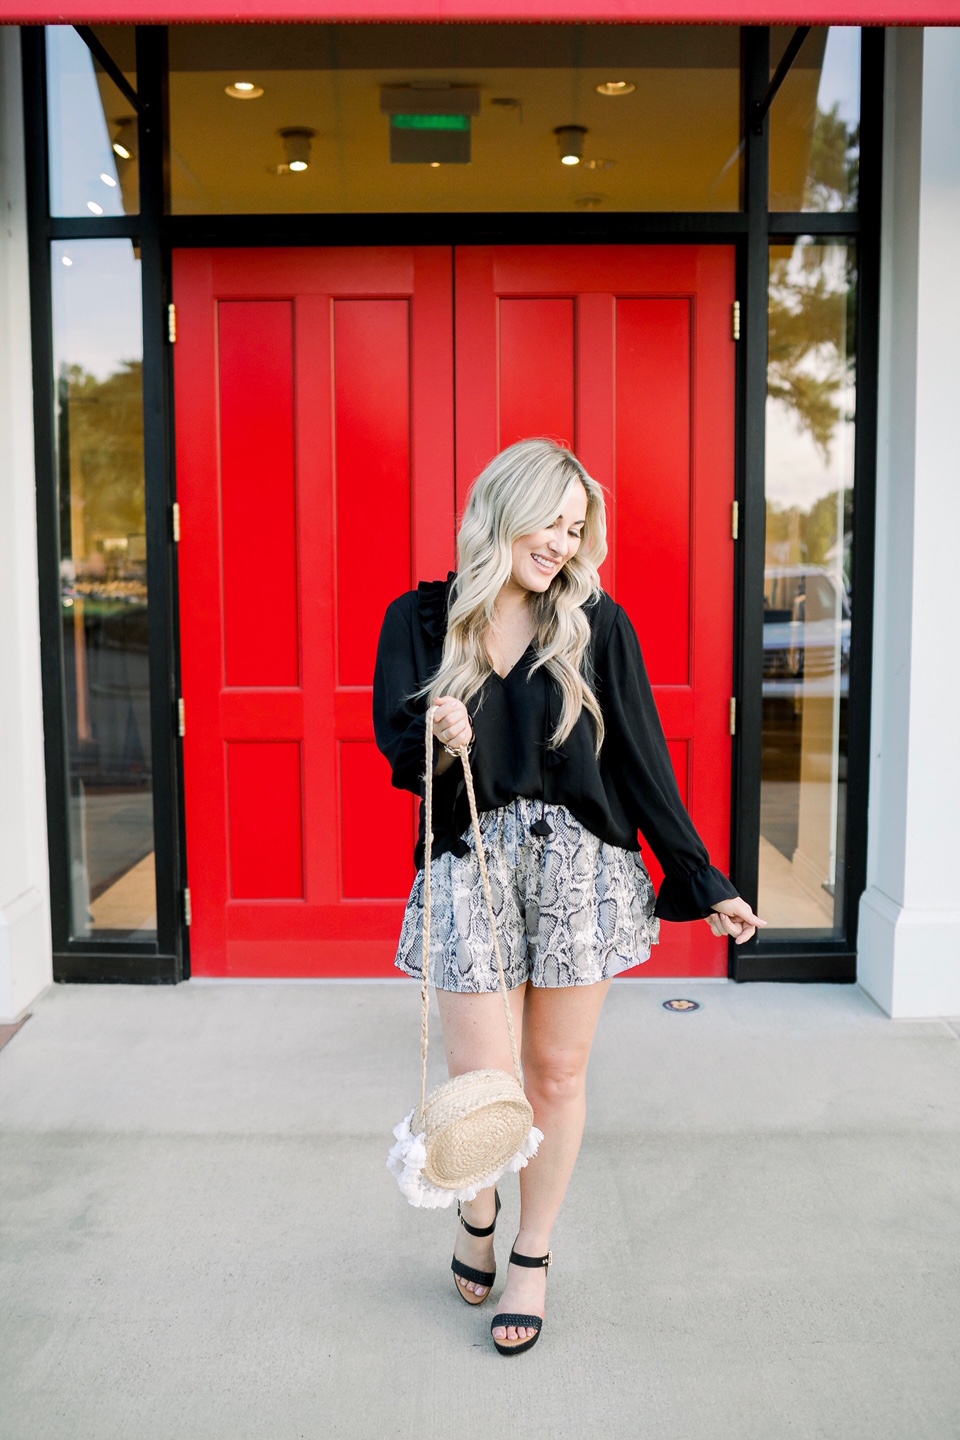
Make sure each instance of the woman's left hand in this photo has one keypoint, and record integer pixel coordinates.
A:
(734, 917)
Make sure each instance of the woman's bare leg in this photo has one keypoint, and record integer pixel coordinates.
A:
(559, 1026)
(475, 1038)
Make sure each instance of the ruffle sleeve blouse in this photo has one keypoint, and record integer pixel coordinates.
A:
(630, 786)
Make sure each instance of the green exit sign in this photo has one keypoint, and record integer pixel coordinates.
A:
(430, 122)
(429, 139)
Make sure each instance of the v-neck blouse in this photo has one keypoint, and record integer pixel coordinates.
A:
(495, 673)
(631, 785)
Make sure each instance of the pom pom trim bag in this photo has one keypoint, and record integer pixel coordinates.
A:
(472, 1129)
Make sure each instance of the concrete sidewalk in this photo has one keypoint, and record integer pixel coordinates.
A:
(199, 1238)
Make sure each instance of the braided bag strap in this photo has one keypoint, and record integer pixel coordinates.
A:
(427, 910)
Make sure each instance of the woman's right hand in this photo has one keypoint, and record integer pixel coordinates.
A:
(451, 723)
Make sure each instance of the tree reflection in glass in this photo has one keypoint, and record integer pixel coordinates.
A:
(807, 583)
(815, 122)
(98, 353)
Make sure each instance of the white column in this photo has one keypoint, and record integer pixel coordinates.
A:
(909, 945)
(25, 958)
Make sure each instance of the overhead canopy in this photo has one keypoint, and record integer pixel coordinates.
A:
(727, 12)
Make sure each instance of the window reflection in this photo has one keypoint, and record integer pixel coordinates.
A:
(94, 168)
(321, 122)
(815, 121)
(807, 584)
(98, 354)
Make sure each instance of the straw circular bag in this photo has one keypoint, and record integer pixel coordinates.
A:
(468, 1131)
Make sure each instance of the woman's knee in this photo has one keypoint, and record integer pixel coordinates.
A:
(556, 1076)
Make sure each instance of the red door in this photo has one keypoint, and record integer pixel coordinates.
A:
(314, 403)
(316, 461)
(626, 353)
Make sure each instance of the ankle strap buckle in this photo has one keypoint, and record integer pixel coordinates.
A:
(532, 1262)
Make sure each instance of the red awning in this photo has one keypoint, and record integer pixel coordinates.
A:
(725, 12)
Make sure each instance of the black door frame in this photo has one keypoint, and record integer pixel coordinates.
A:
(794, 956)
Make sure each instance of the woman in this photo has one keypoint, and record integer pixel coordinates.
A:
(530, 665)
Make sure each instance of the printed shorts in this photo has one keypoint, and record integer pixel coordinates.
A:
(569, 909)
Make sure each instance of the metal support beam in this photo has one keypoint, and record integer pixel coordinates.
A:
(761, 108)
(750, 550)
(109, 64)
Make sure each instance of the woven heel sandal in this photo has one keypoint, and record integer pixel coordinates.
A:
(466, 1272)
(529, 1322)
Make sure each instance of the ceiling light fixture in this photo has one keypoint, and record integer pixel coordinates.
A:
(108, 180)
(65, 260)
(616, 87)
(570, 140)
(243, 90)
(296, 142)
(94, 207)
(124, 141)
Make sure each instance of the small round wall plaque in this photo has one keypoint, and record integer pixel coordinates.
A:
(681, 1004)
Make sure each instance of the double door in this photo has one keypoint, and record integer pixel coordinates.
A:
(333, 407)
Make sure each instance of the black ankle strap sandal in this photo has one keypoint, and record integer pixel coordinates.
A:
(528, 1322)
(480, 1231)
(467, 1272)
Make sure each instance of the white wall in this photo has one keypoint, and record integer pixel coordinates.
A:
(25, 960)
(909, 946)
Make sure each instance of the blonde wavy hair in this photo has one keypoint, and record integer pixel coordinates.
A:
(521, 491)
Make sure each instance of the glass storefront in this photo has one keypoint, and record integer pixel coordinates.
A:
(361, 118)
(473, 120)
(807, 582)
(98, 362)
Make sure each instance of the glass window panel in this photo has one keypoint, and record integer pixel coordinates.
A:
(807, 583)
(92, 125)
(665, 138)
(98, 357)
(815, 121)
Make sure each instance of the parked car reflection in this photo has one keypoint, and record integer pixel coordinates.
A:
(806, 631)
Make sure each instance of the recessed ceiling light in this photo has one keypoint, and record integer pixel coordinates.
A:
(298, 164)
(108, 180)
(434, 164)
(243, 90)
(65, 260)
(96, 209)
(121, 150)
(616, 87)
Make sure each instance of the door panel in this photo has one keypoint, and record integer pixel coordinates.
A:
(261, 622)
(653, 473)
(314, 413)
(626, 353)
(537, 339)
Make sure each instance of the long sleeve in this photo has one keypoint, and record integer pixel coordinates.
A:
(398, 721)
(635, 751)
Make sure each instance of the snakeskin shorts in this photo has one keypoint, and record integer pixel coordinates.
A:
(570, 909)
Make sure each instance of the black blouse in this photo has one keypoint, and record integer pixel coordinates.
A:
(630, 786)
